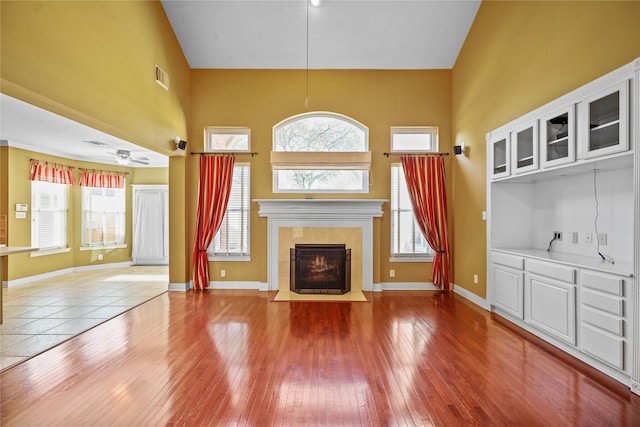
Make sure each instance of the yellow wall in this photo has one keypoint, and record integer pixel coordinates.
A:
(259, 99)
(23, 265)
(518, 56)
(93, 62)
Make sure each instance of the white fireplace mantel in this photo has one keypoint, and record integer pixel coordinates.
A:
(334, 213)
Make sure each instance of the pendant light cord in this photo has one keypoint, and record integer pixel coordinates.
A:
(306, 100)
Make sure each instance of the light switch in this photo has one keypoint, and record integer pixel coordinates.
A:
(21, 215)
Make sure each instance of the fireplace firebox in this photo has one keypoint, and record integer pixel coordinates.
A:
(320, 269)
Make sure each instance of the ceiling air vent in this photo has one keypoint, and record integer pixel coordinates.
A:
(162, 78)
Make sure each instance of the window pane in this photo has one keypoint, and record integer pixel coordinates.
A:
(48, 215)
(320, 133)
(406, 237)
(228, 139)
(232, 237)
(321, 180)
(103, 216)
(418, 139)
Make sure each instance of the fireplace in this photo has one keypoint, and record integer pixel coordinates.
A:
(320, 269)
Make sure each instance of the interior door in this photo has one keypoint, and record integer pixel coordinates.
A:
(150, 225)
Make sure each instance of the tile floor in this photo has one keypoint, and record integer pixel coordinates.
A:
(42, 314)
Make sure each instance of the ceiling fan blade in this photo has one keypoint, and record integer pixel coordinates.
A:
(142, 162)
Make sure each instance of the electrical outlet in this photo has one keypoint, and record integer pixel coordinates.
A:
(589, 238)
(392, 273)
(574, 237)
(475, 279)
(484, 215)
(223, 273)
(557, 235)
(602, 239)
(100, 257)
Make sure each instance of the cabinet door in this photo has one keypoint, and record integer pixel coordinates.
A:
(525, 148)
(604, 121)
(558, 140)
(551, 307)
(507, 290)
(500, 156)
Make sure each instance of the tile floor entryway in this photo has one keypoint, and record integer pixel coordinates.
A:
(42, 314)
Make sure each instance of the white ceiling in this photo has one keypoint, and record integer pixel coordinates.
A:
(343, 34)
(267, 34)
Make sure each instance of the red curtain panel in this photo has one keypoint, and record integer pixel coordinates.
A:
(426, 183)
(216, 174)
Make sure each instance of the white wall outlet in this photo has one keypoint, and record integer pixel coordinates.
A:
(392, 273)
(484, 215)
(574, 237)
(223, 273)
(588, 238)
(475, 279)
(100, 257)
(602, 239)
(21, 215)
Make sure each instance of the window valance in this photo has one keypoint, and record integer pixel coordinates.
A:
(101, 178)
(54, 173)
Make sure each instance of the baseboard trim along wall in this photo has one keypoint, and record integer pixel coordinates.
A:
(408, 286)
(47, 275)
(479, 301)
(249, 285)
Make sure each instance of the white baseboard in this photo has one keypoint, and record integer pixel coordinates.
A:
(479, 301)
(409, 286)
(237, 285)
(182, 287)
(48, 275)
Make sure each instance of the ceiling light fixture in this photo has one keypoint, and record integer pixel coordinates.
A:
(314, 3)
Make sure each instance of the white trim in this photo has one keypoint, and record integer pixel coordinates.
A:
(46, 252)
(47, 275)
(235, 258)
(249, 285)
(411, 258)
(102, 247)
(182, 287)
(409, 286)
(470, 296)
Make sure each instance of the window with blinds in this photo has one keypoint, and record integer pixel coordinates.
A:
(231, 242)
(49, 207)
(103, 216)
(407, 241)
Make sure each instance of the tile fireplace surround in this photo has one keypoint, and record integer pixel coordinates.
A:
(339, 215)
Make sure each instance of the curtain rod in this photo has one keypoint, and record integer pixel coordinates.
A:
(75, 167)
(415, 154)
(230, 153)
(102, 170)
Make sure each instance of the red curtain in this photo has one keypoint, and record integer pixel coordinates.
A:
(216, 174)
(426, 184)
(103, 179)
(57, 174)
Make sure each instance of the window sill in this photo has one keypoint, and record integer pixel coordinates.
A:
(425, 258)
(234, 258)
(101, 247)
(45, 252)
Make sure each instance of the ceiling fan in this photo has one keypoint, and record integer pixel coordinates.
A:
(123, 157)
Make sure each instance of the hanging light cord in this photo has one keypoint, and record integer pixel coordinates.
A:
(306, 100)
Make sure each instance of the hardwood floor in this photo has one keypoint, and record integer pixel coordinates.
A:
(235, 358)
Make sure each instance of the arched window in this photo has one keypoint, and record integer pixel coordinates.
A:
(320, 152)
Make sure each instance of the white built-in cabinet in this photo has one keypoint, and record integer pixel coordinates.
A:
(571, 166)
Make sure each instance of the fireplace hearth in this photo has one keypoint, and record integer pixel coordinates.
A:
(320, 269)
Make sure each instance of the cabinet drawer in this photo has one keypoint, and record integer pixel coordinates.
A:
(608, 303)
(608, 322)
(603, 346)
(555, 271)
(512, 261)
(602, 282)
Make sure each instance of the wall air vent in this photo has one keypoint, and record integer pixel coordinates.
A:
(162, 78)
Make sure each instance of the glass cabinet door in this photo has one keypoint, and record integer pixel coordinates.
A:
(558, 137)
(605, 121)
(525, 148)
(500, 156)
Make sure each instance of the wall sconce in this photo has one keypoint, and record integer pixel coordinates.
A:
(180, 144)
(458, 149)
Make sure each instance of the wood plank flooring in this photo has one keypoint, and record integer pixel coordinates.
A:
(227, 358)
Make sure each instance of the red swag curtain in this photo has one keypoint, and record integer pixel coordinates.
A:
(216, 174)
(426, 184)
(103, 179)
(57, 174)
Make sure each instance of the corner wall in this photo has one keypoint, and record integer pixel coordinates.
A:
(520, 55)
